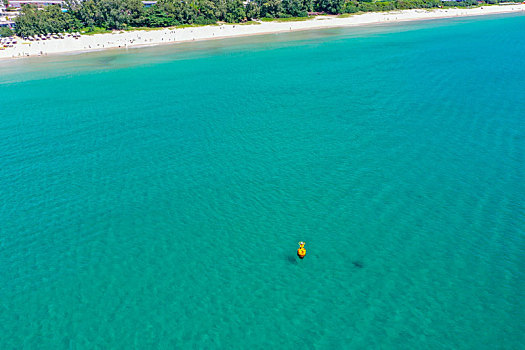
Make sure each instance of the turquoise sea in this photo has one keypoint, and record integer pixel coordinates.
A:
(153, 198)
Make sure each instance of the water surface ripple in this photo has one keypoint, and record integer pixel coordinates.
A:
(153, 198)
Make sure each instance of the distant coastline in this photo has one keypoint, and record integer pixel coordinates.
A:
(122, 39)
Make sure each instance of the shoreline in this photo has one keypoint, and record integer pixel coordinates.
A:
(140, 38)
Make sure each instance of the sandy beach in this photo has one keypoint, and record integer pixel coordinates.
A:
(123, 39)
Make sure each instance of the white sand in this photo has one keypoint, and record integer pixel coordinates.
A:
(164, 36)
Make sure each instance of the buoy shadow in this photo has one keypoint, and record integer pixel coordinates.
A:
(358, 263)
(291, 259)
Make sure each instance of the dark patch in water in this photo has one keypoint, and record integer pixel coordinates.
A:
(358, 264)
(291, 259)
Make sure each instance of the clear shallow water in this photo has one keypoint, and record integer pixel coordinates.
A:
(154, 198)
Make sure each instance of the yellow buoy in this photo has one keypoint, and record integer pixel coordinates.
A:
(301, 252)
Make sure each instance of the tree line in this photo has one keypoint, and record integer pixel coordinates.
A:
(80, 15)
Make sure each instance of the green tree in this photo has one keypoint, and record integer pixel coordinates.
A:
(85, 11)
(27, 23)
(51, 19)
(385, 5)
(155, 16)
(117, 14)
(295, 8)
(207, 11)
(271, 8)
(234, 11)
(367, 6)
(253, 10)
(5, 32)
(330, 6)
(180, 12)
(351, 7)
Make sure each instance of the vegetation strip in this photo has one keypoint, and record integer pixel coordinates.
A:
(101, 16)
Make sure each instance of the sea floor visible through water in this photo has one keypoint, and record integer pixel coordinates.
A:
(154, 197)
